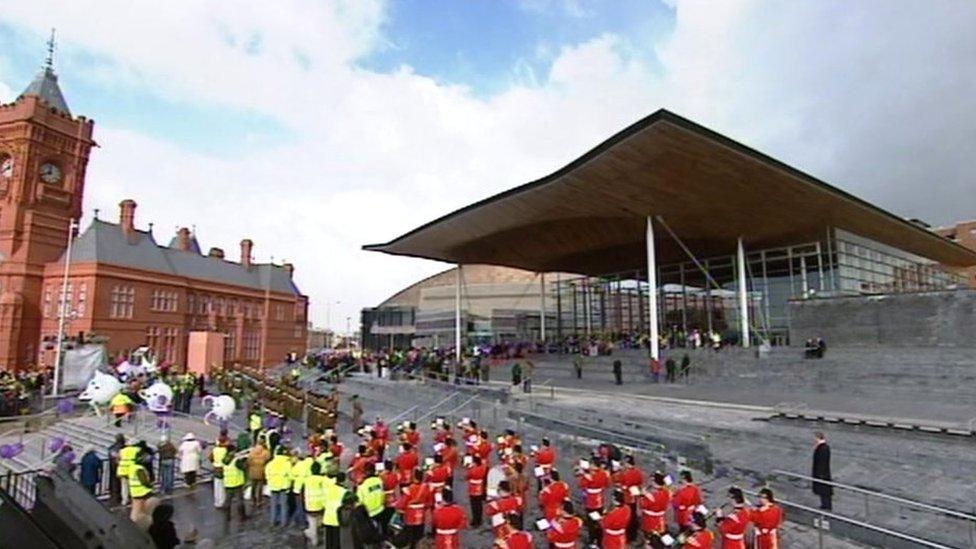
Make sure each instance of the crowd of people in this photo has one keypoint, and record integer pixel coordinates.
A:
(20, 392)
(401, 486)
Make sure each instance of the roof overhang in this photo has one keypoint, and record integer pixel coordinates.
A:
(589, 217)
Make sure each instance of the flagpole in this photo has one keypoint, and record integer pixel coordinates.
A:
(62, 312)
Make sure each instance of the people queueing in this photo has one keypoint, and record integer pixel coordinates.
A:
(733, 525)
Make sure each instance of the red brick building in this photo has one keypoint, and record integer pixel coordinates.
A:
(964, 233)
(122, 285)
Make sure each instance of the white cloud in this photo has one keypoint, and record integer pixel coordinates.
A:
(835, 88)
(6, 94)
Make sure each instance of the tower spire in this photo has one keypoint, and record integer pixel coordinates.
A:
(49, 62)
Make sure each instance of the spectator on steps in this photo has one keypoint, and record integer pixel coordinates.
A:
(91, 470)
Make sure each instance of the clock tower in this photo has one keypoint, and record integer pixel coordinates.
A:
(43, 157)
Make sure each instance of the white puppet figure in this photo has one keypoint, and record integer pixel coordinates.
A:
(100, 391)
(159, 399)
(220, 407)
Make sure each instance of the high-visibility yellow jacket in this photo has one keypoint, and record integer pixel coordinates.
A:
(136, 488)
(127, 457)
(254, 422)
(371, 494)
(299, 472)
(278, 473)
(233, 474)
(315, 493)
(120, 403)
(334, 494)
(219, 453)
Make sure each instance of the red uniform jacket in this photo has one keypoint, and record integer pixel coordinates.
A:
(390, 484)
(413, 503)
(518, 540)
(378, 446)
(337, 450)
(565, 533)
(450, 455)
(483, 450)
(686, 499)
(437, 477)
(551, 499)
(448, 521)
(595, 484)
(413, 437)
(627, 477)
(357, 469)
(701, 539)
(767, 521)
(476, 477)
(733, 529)
(653, 507)
(615, 527)
(405, 464)
(545, 458)
(507, 505)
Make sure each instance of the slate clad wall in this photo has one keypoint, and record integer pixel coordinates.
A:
(929, 319)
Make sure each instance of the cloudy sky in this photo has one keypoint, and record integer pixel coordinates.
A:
(315, 127)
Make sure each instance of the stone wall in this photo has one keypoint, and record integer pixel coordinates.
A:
(927, 319)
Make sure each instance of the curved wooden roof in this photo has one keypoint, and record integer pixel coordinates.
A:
(589, 216)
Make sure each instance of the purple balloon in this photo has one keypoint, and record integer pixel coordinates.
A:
(65, 406)
(55, 444)
(6, 451)
(18, 448)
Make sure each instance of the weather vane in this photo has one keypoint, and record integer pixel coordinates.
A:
(49, 63)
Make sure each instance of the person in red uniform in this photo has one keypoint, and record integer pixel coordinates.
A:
(406, 463)
(686, 500)
(336, 447)
(594, 480)
(507, 504)
(732, 526)
(545, 457)
(438, 475)
(767, 518)
(654, 505)
(391, 485)
(483, 448)
(377, 445)
(451, 459)
(630, 479)
(553, 495)
(413, 505)
(412, 435)
(476, 475)
(507, 536)
(564, 532)
(699, 537)
(615, 523)
(357, 469)
(448, 520)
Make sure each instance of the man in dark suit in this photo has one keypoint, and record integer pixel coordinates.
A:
(821, 471)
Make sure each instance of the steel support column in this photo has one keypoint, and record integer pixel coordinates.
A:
(651, 289)
(457, 316)
(743, 296)
(542, 307)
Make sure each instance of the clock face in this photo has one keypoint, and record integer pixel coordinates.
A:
(6, 167)
(50, 173)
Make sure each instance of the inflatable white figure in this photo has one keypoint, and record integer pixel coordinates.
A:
(100, 391)
(221, 407)
(158, 397)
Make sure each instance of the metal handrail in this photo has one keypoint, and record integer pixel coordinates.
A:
(463, 404)
(438, 405)
(402, 414)
(658, 446)
(880, 495)
(860, 524)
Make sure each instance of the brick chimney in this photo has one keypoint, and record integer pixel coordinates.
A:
(183, 239)
(246, 246)
(127, 215)
(216, 252)
(289, 268)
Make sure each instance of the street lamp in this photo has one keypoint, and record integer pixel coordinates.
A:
(348, 336)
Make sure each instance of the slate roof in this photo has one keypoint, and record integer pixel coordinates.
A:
(104, 242)
(45, 86)
(174, 243)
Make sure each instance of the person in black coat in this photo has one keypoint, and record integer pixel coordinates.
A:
(618, 372)
(821, 471)
(162, 531)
